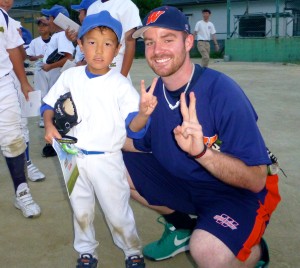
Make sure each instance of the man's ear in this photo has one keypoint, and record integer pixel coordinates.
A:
(189, 42)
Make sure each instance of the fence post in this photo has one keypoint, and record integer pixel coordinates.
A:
(228, 19)
(277, 19)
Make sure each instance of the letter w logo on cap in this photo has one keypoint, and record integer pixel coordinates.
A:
(154, 16)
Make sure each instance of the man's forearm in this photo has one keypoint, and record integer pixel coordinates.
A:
(129, 53)
(233, 171)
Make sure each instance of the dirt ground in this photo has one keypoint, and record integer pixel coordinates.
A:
(47, 241)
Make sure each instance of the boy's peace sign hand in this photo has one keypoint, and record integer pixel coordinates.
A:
(148, 102)
(189, 135)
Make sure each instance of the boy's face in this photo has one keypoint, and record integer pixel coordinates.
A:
(6, 4)
(100, 46)
(43, 29)
(52, 26)
(81, 16)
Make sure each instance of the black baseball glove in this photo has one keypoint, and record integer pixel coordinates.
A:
(65, 114)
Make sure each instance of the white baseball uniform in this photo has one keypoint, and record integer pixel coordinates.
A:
(45, 80)
(11, 138)
(126, 12)
(103, 103)
(37, 47)
(17, 25)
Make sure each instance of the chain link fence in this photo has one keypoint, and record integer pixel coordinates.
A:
(27, 17)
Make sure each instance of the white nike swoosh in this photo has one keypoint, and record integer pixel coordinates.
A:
(178, 242)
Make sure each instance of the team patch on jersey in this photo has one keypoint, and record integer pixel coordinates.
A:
(113, 64)
(1, 29)
(209, 141)
(154, 16)
(226, 221)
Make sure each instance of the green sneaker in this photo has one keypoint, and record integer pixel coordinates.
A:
(170, 244)
(265, 259)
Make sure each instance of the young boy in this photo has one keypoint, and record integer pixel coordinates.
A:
(38, 46)
(11, 137)
(108, 107)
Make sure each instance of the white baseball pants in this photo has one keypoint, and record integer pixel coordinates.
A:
(104, 176)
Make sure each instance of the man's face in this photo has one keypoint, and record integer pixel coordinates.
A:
(165, 50)
(205, 16)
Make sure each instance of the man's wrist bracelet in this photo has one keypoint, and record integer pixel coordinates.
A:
(201, 154)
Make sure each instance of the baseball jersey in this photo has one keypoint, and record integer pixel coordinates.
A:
(9, 39)
(37, 47)
(103, 104)
(124, 11)
(204, 30)
(225, 114)
(59, 41)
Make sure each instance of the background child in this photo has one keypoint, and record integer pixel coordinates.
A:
(11, 137)
(34, 174)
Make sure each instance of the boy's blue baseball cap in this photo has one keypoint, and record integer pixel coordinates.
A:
(26, 36)
(55, 10)
(83, 5)
(102, 18)
(164, 17)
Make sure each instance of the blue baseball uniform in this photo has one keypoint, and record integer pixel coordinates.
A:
(168, 176)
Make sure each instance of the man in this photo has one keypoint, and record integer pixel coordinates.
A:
(228, 190)
(12, 141)
(204, 32)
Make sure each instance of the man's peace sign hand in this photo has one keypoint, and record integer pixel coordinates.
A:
(189, 135)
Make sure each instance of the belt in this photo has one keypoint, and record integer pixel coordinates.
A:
(204, 40)
(90, 152)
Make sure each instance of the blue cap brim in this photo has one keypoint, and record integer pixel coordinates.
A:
(76, 7)
(46, 12)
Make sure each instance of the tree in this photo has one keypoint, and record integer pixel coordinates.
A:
(145, 6)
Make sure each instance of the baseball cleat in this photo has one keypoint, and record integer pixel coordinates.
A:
(25, 202)
(34, 174)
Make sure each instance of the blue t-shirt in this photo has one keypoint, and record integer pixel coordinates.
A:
(225, 114)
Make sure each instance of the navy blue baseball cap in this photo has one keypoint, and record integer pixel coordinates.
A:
(83, 5)
(164, 17)
(102, 18)
(55, 10)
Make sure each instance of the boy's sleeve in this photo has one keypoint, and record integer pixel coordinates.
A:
(15, 39)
